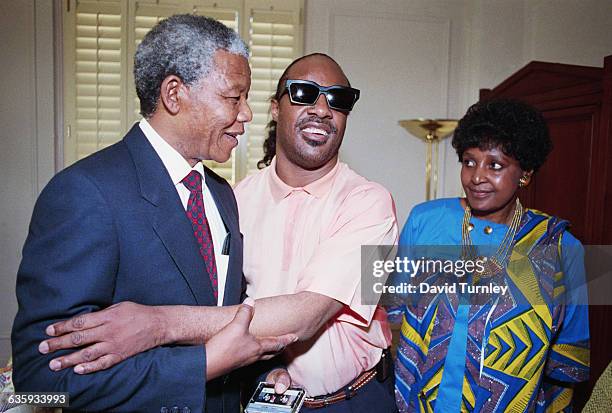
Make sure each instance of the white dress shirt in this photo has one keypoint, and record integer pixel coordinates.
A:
(179, 168)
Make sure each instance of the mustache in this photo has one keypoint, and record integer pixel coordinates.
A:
(315, 119)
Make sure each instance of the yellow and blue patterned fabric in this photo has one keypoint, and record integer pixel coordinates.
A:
(535, 338)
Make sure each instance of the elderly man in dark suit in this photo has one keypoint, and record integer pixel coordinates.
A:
(144, 221)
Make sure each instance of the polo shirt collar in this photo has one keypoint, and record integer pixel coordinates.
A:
(318, 188)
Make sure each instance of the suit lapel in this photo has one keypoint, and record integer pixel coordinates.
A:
(168, 217)
(233, 281)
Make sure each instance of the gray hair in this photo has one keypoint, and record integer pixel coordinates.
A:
(183, 45)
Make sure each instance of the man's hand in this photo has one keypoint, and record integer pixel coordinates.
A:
(125, 329)
(281, 380)
(110, 336)
(234, 347)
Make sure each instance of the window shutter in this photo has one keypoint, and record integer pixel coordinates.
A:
(95, 79)
(274, 40)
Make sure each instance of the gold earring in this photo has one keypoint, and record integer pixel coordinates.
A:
(523, 181)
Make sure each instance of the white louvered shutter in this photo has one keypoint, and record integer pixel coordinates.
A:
(95, 78)
(275, 40)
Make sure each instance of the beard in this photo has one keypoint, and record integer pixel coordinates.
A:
(306, 153)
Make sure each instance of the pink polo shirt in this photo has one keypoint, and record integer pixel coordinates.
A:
(309, 239)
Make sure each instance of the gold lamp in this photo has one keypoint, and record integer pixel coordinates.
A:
(432, 131)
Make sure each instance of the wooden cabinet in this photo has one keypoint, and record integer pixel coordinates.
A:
(576, 181)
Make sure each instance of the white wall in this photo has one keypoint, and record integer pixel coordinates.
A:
(577, 32)
(26, 136)
(410, 58)
(424, 58)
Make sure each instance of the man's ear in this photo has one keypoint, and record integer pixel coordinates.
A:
(274, 110)
(170, 93)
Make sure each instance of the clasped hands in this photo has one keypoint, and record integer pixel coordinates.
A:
(109, 336)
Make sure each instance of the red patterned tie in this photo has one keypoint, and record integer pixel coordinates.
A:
(199, 222)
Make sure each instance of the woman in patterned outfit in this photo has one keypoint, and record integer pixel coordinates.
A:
(507, 352)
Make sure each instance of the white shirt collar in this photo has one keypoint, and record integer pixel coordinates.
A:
(175, 164)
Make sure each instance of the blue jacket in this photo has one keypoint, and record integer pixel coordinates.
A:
(112, 228)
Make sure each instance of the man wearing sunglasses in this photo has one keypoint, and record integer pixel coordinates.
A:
(304, 217)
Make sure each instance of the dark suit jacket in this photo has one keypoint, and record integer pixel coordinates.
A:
(112, 228)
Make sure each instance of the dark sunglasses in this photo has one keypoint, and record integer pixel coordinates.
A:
(305, 92)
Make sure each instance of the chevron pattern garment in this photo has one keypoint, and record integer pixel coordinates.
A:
(521, 346)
